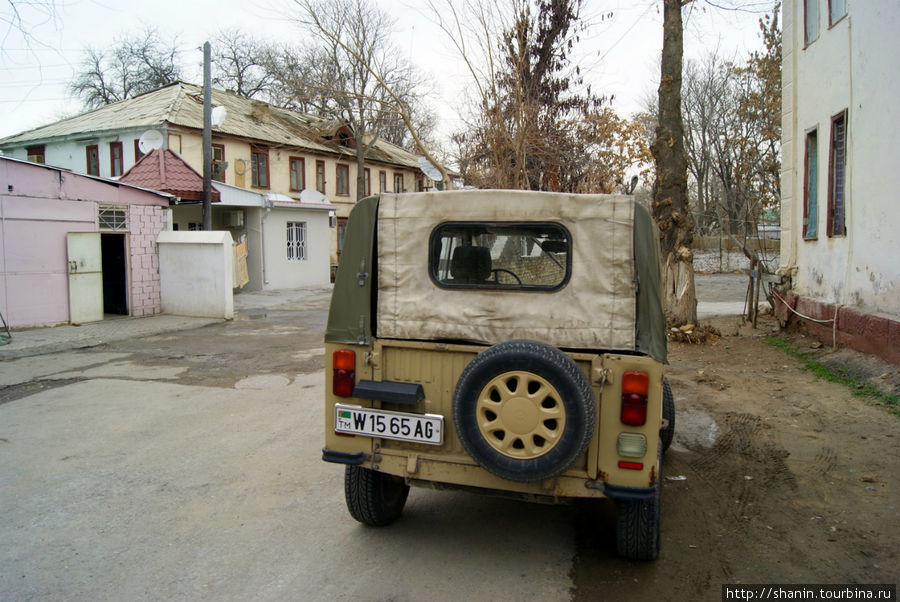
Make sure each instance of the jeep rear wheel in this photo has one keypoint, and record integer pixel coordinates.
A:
(668, 412)
(374, 498)
(524, 411)
(637, 527)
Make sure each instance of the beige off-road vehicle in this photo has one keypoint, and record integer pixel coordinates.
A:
(501, 342)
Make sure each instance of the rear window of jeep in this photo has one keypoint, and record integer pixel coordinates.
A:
(516, 256)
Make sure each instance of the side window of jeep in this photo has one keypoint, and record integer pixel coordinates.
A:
(515, 256)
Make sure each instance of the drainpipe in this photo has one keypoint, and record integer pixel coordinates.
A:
(262, 236)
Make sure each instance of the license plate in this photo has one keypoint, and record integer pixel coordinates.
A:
(419, 428)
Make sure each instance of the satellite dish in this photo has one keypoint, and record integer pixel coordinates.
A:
(150, 140)
(217, 116)
(430, 170)
(308, 195)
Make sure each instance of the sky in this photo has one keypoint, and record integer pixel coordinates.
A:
(619, 52)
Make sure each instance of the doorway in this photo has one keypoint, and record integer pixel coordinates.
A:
(115, 274)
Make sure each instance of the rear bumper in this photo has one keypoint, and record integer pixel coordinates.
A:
(618, 492)
(337, 457)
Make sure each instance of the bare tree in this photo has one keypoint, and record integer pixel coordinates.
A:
(293, 70)
(423, 118)
(134, 65)
(243, 64)
(361, 79)
(707, 100)
(670, 200)
(733, 136)
(527, 126)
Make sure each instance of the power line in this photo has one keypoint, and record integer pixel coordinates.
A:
(33, 84)
(29, 100)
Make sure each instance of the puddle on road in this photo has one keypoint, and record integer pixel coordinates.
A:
(694, 428)
(251, 316)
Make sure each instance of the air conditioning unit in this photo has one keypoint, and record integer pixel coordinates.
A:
(233, 219)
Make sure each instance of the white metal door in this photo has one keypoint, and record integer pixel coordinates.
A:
(85, 276)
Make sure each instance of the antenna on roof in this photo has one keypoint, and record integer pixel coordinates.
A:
(150, 140)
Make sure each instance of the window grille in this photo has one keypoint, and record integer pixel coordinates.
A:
(296, 241)
(113, 217)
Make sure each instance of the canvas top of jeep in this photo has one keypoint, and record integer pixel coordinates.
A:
(603, 295)
(500, 341)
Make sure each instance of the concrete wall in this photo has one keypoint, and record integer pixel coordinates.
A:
(284, 273)
(850, 66)
(265, 230)
(196, 273)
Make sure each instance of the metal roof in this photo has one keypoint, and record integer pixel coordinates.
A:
(181, 104)
(110, 181)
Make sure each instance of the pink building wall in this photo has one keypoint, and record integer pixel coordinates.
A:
(38, 206)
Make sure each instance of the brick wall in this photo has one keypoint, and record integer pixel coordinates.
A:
(864, 332)
(145, 224)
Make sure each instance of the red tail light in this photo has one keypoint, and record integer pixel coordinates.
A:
(631, 465)
(635, 387)
(343, 364)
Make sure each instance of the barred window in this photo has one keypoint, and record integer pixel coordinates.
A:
(837, 192)
(296, 241)
(113, 217)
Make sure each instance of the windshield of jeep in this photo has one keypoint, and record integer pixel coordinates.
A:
(526, 256)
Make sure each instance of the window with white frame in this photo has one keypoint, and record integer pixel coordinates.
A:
(112, 217)
(296, 241)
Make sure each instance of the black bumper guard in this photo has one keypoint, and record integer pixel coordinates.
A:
(343, 457)
(618, 492)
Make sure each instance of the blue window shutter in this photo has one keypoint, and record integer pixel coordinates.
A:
(812, 204)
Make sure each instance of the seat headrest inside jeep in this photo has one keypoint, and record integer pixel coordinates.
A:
(470, 265)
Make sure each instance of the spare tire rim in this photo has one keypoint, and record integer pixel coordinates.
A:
(520, 414)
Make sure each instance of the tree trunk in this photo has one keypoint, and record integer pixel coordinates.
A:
(670, 202)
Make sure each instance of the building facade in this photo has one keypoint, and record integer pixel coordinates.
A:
(257, 146)
(840, 185)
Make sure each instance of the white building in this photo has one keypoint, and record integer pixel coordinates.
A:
(840, 179)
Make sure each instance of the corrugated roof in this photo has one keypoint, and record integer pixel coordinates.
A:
(164, 170)
(145, 111)
(181, 104)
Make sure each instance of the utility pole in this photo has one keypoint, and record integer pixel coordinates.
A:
(207, 139)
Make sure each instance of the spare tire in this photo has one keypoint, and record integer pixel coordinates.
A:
(524, 410)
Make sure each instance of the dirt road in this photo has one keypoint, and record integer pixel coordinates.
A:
(774, 477)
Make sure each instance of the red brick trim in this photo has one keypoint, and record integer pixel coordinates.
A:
(864, 332)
